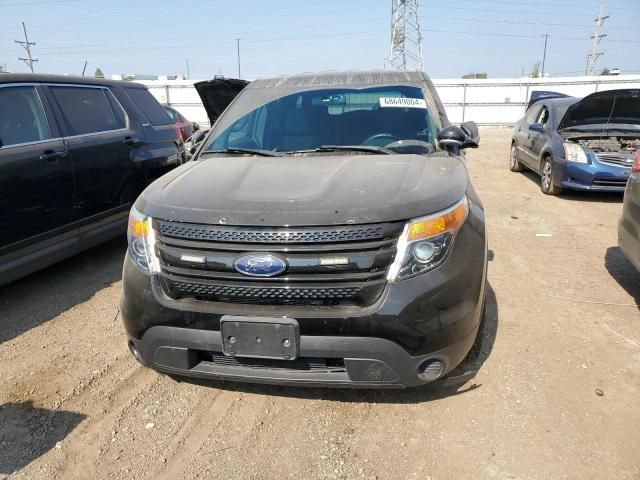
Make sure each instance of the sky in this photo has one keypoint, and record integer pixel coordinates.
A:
(497, 37)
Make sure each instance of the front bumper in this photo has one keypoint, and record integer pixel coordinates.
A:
(434, 316)
(364, 362)
(593, 176)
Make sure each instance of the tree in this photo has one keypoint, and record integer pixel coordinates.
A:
(98, 73)
(605, 71)
(535, 71)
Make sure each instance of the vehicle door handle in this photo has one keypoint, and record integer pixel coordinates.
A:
(129, 141)
(51, 156)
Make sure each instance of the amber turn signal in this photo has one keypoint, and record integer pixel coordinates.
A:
(450, 220)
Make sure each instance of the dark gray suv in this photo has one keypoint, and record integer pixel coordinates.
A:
(326, 233)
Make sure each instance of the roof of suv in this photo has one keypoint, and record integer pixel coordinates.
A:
(351, 77)
(46, 78)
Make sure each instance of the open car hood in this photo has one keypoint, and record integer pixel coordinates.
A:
(608, 107)
(218, 93)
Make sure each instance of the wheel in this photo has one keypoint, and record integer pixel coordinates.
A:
(514, 163)
(547, 178)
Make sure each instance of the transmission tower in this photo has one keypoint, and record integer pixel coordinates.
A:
(597, 36)
(27, 46)
(406, 39)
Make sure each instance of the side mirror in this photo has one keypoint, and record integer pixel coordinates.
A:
(453, 138)
(537, 127)
(195, 126)
(473, 135)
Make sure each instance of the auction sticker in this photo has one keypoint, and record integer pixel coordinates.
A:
(400, 102)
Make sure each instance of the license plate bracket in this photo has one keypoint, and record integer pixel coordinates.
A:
(260, 337)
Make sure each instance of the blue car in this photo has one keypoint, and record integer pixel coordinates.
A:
(578, 144)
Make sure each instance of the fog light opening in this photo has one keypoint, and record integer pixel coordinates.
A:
(430, 370)
(134, 351)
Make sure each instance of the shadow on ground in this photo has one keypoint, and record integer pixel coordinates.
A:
(43, 295)
(623, 272)
(579, 196)
(27, 432)
(474, 361)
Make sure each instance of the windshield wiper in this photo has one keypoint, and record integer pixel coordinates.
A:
(348, 148)
(250, 151)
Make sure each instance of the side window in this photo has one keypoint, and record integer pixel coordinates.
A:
(87, 110)
(543, 116)
(22, 118)
(173, 115)
(532, 114)
(149, 106)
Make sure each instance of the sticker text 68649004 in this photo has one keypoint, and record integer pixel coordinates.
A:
(399, 102)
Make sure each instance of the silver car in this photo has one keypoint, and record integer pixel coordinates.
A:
(629, 225)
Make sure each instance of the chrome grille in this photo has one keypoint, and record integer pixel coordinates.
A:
(313, 276)
(617, 159)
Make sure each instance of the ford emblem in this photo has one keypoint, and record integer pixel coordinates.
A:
(260, 265)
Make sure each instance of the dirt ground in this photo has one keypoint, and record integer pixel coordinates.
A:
(557, 396)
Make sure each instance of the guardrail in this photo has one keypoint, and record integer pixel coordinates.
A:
(493, 102)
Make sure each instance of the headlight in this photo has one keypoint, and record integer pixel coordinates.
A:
(141, 239)
(425, 242)
(574, 153)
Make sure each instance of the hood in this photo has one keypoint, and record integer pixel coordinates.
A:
(306, 191)
(217, 94)
(608, 107)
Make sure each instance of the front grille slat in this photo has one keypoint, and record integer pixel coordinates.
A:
(300, 277)
(275, 247)
(326, 266)
(609, 182)
(616, 159)
(214, 233)
(265, 295)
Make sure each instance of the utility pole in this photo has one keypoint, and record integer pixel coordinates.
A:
(238, 51)
(84, 69)
(188, 74)
(27, 46)
(544, 56)
(596, 37)
(406, 39)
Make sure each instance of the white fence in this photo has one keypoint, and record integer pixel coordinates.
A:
(487, 102)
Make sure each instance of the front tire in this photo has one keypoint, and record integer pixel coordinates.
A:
(514, 163)
(547, 178)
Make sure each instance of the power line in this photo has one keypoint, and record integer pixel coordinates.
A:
(27, 46)
(545, 4)
(22, 4)
(520, 12)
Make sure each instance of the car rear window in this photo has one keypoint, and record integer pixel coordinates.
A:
(149, 106)
(88, 109)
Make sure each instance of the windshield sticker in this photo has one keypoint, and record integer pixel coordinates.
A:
(399, 102)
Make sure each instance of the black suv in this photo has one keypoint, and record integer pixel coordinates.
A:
(326, 233)
(74, 154)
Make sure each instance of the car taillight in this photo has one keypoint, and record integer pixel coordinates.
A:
(178, 132)
(636, 162)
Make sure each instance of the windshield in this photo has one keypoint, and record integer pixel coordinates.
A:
(377, 117)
